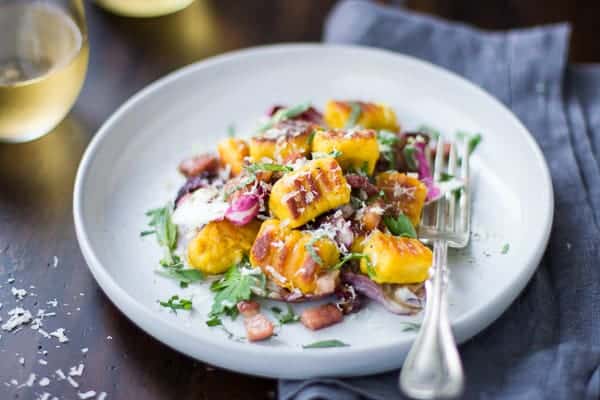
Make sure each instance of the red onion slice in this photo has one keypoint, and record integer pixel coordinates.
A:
(372, 290)
(243, 209)
(425, 171)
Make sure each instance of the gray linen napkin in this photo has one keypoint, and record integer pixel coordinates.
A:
(547, 344)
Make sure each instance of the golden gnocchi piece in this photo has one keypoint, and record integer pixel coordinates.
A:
(294, 259)
(286, 138)
(405, 192)
(395, 259)
(220, 244)
(303, 195)
(359, 148)
(372, 115)
(232, 152)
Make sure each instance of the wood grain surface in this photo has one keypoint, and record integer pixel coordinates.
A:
(36, 181)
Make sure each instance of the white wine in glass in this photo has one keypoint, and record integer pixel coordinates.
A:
(144, 8)
(43, 60)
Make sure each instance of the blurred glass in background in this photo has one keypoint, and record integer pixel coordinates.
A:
(43, 61)
(143, 8)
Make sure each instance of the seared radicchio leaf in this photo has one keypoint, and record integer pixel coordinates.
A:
(192, 184)
(361, 182)
(243, 209)
(348, 300)
(372, 290)
(425, 171)
(310, 115)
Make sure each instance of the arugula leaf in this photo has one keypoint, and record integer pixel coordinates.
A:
(400, 226)
(325, 343)
(286, 318)
(184, 276)
(283, 114)
(256, 167)
(411, 327)
(355, 113)
(236, 285)
(310, 247)
(349, 257)
(505, 248)
(166, 234)
(176, 303)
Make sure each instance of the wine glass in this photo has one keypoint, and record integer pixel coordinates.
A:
(43, 60)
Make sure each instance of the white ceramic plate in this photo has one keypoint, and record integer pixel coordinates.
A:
(130, 167)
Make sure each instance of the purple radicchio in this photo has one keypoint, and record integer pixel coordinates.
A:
(243, 209)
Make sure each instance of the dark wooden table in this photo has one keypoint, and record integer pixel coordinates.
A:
(36, 181)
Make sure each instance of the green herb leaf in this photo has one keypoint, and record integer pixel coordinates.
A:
(325, 343)
(411, 327)
(166, 234)
(146, 233)
(186, 276)
(444, 177)
(409, 156)
(310, 247)
(355, 113)
(387, 140)
(231, 130)
(236, 285)
(286, 318)
(400, 226)
(432, 132)
(176, 303)
(214, 321)
(256, 167)
(371, 270)
(505, 248)
(349, 257)
(473, 140)
(243, 183)
(284, 113)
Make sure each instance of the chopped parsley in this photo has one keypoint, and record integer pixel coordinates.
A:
(325, 343)
(184, 276)
(285, 318)
(176, 303)
(411, 327)
(400, 226)
(310, 247)
(350, 257)
(283, 114)
(214, 321)
(505, 248)
(355, 113)
(238, 284)
(166, 235)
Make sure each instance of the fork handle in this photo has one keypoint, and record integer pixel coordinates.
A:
(433, 368)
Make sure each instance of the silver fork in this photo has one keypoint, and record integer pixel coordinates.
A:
(432, 368)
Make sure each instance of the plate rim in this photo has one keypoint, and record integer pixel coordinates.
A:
(153, 325)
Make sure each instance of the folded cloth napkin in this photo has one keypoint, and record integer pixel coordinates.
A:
(547, 344)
